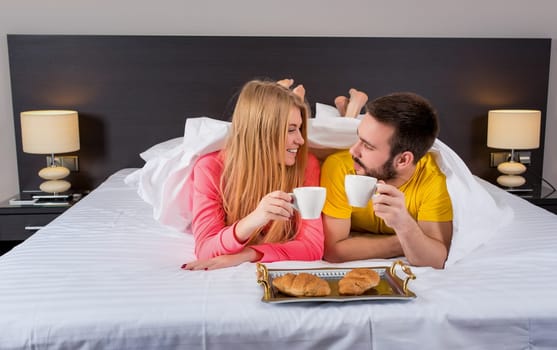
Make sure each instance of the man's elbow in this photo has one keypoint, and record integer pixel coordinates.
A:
(332, 256)
(440, 265)
(436, 264)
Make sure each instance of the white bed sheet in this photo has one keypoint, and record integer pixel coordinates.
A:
(106, 275)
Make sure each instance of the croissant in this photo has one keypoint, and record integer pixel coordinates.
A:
(358, 281)
(302, 285)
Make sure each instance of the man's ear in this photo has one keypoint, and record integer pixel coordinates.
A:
(404, 159)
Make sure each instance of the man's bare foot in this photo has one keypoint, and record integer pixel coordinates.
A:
(340, 103)
(287, 83)
(357, 101)
(300, 90)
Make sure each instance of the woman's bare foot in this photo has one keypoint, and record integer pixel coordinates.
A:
(340, 103)
(357, 101)
(300, 90)
(287, 83)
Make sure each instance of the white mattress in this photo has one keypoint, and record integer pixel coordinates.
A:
(106, 275)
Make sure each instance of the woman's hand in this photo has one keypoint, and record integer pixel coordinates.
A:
(222, 261)
(276, 205)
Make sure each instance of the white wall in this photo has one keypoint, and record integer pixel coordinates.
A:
(425, 18)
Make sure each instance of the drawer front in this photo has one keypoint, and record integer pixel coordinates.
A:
(19, 227)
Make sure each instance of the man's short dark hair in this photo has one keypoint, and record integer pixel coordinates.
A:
(413, 118)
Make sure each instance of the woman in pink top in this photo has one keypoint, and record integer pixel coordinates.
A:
(240, 196)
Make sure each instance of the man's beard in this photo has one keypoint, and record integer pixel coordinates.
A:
(385, 172)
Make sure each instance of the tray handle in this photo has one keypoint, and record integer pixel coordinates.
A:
(406, 269)
(263, 279)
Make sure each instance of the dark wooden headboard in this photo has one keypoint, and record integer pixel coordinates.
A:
(134, 91)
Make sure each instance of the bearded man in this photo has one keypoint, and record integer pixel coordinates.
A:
(410, 213)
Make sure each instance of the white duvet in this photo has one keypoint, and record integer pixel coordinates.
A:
(161, 181)
(106, 275)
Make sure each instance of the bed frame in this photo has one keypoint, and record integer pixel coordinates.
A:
(134, 91)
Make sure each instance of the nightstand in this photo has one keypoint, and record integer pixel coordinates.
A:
(546, 199)
(19, 222)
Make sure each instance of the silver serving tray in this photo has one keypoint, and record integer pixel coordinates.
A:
(390, 287)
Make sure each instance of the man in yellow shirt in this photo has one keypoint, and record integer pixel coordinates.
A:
(411, 212)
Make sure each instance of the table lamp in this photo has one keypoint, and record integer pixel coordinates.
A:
(513, 129)
(50, 132)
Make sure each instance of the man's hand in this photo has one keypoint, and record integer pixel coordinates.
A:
(424, 243)
(389, 205)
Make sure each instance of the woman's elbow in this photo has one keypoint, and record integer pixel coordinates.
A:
(315, 253)
(202, 251)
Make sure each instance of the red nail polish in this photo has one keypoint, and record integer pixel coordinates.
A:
(184, 266)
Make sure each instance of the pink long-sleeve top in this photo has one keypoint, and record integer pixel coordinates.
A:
(213, 237)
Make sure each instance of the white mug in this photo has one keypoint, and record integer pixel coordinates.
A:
(309, 201)
(359, 189)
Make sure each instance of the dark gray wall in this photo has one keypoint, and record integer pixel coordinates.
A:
(134, 91)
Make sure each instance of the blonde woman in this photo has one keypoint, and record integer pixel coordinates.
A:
(240, 199)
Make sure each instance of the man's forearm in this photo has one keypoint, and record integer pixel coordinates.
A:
(421, 249)
(368, 246)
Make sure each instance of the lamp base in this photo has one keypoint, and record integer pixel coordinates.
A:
(511, 174)
(55, 186)
(511, 181)
(54, 174)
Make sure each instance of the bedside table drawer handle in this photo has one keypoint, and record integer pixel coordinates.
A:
(33, 228)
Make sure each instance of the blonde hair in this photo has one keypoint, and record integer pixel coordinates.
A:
(254, 156)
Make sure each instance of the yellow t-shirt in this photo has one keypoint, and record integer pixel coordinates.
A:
(426, 195)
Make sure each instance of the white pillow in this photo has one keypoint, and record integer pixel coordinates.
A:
(161, 148)
(328, 131)
(162, 179)
(323, 110)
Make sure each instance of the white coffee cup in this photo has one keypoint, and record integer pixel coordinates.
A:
(309, 201)
(359, 189)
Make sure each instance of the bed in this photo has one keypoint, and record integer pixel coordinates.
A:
(116, 283)
(106, 273)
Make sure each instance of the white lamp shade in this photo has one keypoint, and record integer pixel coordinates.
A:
(49, 131)
(513, 129)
